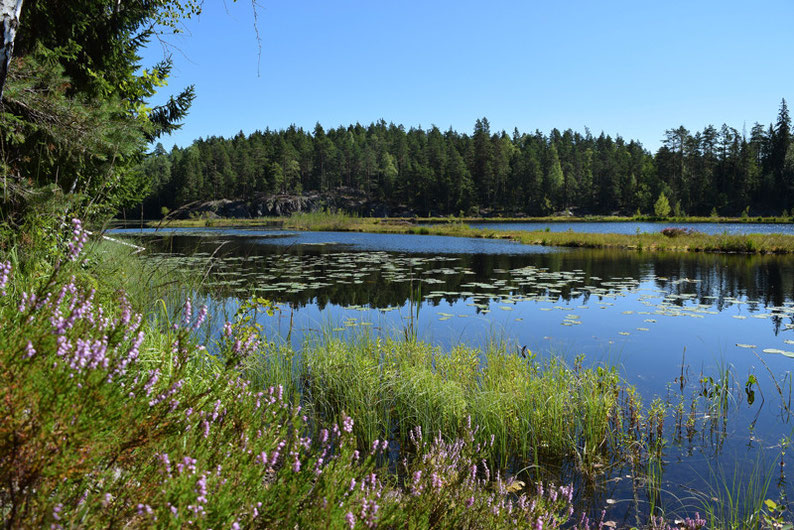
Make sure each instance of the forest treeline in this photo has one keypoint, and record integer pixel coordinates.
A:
(722, 171)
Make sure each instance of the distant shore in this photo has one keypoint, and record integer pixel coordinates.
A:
(691, 241)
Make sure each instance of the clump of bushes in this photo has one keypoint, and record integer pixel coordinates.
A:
(676, 232)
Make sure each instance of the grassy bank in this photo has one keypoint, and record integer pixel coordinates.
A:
(118, 415)
(264, 221)
(681, 241)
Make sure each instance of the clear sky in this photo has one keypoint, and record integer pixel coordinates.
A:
(631, 68)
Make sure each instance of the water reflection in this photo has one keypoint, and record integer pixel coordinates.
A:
(319, 275)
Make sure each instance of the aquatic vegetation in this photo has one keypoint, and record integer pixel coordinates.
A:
(533, 409)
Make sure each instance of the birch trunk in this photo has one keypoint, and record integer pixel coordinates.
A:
(9, 11)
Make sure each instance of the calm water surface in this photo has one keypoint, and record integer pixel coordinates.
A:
(655, 315)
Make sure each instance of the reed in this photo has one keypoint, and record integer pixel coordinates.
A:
(532, 410)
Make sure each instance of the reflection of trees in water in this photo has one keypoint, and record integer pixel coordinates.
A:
(764, 281)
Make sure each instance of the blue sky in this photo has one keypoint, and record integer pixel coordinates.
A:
(623, 67)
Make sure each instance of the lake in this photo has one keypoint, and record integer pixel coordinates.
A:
(669, 321)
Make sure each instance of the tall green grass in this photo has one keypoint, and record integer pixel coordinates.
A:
(532, 410)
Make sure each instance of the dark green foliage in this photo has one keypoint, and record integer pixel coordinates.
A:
(75, 114)
(435, 173)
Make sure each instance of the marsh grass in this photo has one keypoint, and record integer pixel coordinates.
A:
(736, 499)
(533, 411)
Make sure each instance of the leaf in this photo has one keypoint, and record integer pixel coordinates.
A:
(515, 486)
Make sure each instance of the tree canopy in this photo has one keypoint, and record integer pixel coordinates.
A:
(435, 172)
(75, 118)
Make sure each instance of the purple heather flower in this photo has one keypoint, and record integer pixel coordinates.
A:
(347, 424)
(154, 376)
(187, 313)
(202, 314)
(163, 457)
(351, 520)
(30, 351)
(369, 511)
(56, 510)
(201, 489)
(5, 270)
(187, 463)
(417, 487)
(79, 239)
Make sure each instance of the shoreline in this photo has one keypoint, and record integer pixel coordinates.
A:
(687, 242)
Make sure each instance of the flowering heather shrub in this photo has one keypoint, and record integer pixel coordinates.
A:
(451, 486)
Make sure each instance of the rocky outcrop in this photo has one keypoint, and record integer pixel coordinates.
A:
(283, 205)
